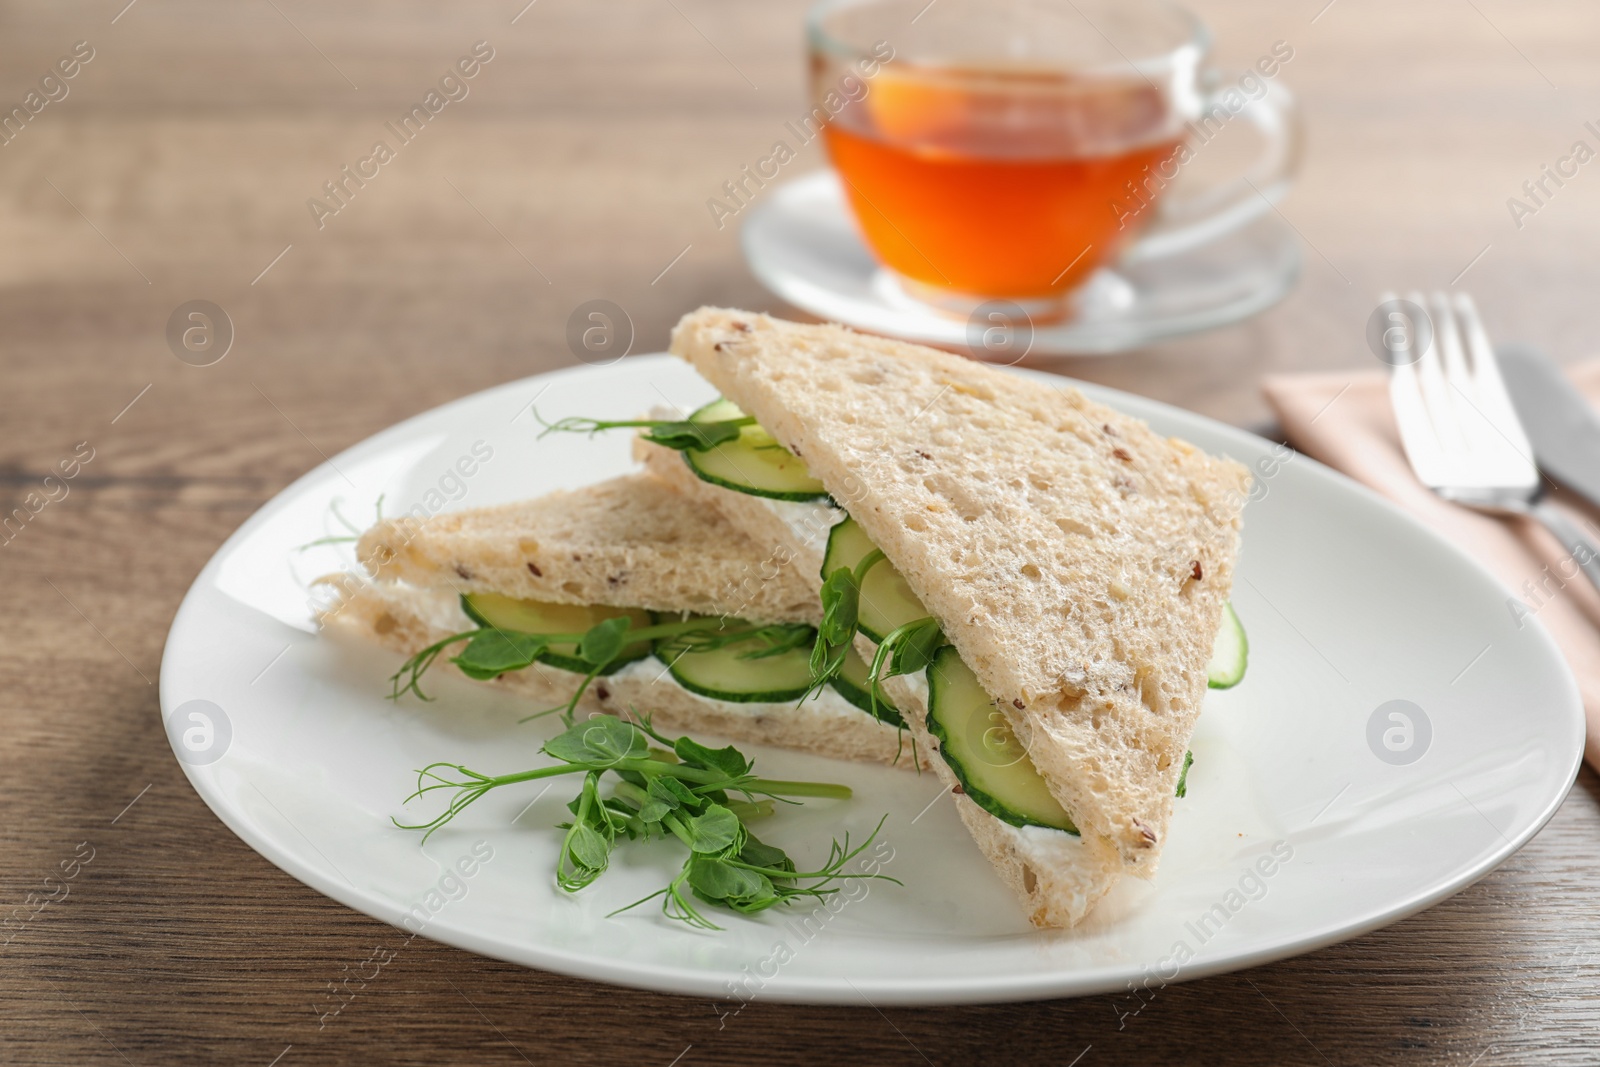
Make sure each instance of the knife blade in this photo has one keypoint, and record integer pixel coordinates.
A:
(1564, 428)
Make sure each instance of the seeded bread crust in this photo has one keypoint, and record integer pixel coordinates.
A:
(1057, 877)
(1078, 561)
(406, 619)
(627, 542)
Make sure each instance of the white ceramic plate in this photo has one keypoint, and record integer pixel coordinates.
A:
(1349, 605)
(802, 243)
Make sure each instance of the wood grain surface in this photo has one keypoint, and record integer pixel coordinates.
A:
(178, 167)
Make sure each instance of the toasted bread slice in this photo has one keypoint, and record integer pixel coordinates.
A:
(407, 618)
(628, 542)
(1078, 561)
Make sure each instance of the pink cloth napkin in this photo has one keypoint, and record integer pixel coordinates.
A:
(1344, 420)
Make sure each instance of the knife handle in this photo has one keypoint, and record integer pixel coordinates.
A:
(1572, 538)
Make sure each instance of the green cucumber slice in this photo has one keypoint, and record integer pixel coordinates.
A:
(887, 602)
(538, 617)
(727, 673)
(1230, 654)
(754, 464)
(975, 739)
(852, 683)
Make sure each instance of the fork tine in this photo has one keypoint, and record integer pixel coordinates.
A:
(1417, 434)
(1453, 373)
(1488, 388)
(1433, 384)
(1447, 332)
(1498, 476)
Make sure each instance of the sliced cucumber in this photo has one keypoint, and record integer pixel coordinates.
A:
(730, 673)
(975, 739)
(887, 602)
(1230, 654)
(755, 463)
(852, 683)
(537, 617)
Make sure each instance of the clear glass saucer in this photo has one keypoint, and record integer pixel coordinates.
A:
(803, 245)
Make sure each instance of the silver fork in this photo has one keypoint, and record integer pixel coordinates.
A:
(1460, 430)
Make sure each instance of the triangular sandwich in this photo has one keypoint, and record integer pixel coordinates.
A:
(629, 547)
(1077, 563)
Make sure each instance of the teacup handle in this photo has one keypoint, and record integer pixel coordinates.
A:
(1185, 222)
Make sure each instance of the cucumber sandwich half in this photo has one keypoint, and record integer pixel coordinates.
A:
(1056, 573)
(635, 547)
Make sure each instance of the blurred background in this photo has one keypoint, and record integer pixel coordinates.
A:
(178, 166)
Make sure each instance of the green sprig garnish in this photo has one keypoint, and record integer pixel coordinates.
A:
(355, 531)
(841, 617)
(904, 650)
(679, 434)
(767, 641)
(1183, 776)
(490, 651)
(684, 790)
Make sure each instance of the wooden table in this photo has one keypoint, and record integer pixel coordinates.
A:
(178, 168)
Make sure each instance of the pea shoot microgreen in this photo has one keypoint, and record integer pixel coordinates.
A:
(701, 796)
(347, 538)
(841, 611)
(1183, 776)
(679, 434)
(490, 651)
(766, 641)
(905, 650)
